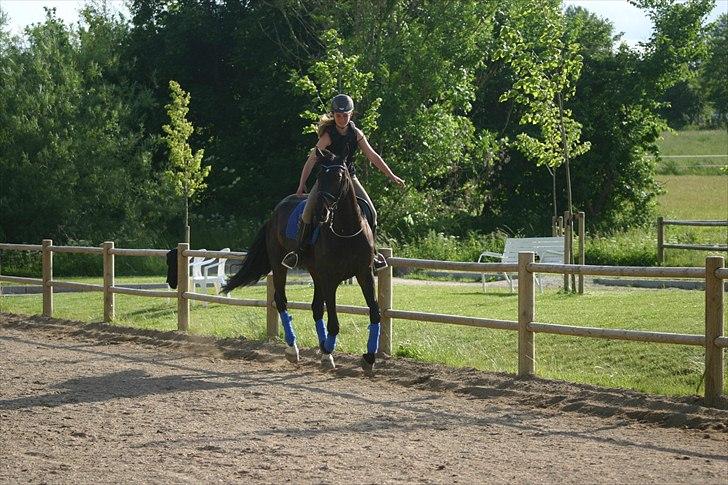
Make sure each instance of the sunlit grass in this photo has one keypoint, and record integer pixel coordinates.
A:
(692, 144)
(694, 197)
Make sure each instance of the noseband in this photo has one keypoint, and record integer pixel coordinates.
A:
(331, 201)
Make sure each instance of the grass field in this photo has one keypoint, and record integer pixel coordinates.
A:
(681, 150)
(654, 368)
(693, 197)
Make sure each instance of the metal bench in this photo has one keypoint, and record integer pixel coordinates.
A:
(547, 249)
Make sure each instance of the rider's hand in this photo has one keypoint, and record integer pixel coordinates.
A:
(397, 180)
(301, 190)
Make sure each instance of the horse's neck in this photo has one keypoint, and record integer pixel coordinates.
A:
(348, 217)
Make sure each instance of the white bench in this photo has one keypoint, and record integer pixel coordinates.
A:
(547, 249)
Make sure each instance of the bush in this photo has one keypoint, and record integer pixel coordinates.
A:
(636, 247)
(436, 245)
(27, 264)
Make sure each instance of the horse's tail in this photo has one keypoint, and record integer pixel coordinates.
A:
(255, 265)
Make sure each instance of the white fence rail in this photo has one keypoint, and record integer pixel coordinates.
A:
(714, 272)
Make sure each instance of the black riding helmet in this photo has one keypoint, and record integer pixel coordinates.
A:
(341, 103)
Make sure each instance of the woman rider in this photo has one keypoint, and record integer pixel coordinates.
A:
(338, 134)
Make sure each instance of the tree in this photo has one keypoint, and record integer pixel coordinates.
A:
(617, 101)
(74, 162)
(715, 69)
(424, 57)
(333, 74)
(235, 59)
(685, 103)
(546, 65)
(186, 173)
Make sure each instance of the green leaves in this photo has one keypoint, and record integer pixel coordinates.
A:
(533, 43)
(715, 70)
(74, 163)
(330, 75)
(186, 173)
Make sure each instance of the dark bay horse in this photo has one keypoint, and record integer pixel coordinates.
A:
(344, 248)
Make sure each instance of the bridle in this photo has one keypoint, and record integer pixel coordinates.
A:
(332, 207)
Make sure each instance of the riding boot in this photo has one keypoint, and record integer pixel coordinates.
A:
(292, 259)
(379, 260)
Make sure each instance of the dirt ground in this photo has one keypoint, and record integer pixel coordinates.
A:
(97, 403)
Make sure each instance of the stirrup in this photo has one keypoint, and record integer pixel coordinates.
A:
(290, 260)
(379, 262)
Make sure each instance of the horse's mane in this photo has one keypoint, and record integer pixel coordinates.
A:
(330, 160)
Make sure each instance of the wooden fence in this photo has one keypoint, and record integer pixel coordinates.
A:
(713, 340)
(662, 245)
(564, 226)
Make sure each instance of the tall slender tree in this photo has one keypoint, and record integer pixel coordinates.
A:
(186, 173)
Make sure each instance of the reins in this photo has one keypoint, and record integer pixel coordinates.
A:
(335, 205)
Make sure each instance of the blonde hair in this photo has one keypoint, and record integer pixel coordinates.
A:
(324, 122)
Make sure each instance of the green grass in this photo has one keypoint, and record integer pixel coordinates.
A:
(653, 368)
(694, 142)
(691, 143)
(693, 197)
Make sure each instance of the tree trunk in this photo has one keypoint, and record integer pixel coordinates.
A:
(187, 220)
(566, 155)
(570, 222)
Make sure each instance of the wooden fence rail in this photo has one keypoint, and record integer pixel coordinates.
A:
(662, 245)
(714, 339)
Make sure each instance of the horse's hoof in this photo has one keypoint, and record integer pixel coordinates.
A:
(292, 354)
(367, 363)
(327, 362)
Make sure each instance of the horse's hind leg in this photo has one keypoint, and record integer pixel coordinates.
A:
(366, 282)
(279, 284)
(317, 307)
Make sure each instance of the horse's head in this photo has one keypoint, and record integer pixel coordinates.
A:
(334, 183)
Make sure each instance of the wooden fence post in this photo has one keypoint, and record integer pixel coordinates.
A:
(660, 241)
(713, 329)
(567, 245)
(384, 290)
(526, 313)
(582, 257)
(183, 286)
(109, 297)
(47, 277)
(271, 317)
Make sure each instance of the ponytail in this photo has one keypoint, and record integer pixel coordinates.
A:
(324, 123)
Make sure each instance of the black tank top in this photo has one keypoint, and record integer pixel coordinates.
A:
(344, 146)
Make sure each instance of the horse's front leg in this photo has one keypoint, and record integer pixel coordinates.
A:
(329, 294)
(366, 282)
(317, 307)
(279, 285)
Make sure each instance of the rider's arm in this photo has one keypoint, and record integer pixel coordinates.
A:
(322, 143)
(375, 159)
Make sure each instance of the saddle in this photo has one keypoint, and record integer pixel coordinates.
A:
(295, 217)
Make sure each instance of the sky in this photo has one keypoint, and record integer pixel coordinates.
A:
(626, 18)
(630, 19)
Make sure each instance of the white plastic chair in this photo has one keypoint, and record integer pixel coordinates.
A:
(205, 271)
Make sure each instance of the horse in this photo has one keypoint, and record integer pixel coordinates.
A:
(343, 249)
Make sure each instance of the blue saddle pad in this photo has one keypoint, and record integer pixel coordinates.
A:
(292, 224)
